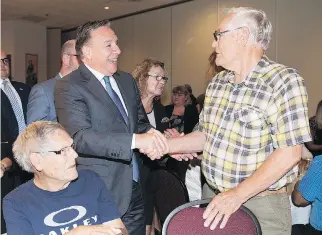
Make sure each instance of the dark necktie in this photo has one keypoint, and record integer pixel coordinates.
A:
(117, 101)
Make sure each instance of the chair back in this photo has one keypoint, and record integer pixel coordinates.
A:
(170, 194)
(188, 220)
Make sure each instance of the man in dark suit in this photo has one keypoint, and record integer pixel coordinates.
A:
(41, 99)
(14, 98)
(101, 109)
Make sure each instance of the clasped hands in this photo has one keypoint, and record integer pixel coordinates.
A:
(155, 145)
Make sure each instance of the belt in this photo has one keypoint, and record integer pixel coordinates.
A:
(272, 192)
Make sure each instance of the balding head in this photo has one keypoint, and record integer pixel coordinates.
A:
(69, 58)
(68, 48)
(4, 65)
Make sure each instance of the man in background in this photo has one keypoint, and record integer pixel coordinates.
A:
(41, 99)
(14, 98)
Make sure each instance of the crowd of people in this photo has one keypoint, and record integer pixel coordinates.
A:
(84, 146)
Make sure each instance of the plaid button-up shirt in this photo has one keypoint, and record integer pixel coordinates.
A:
(244, 123)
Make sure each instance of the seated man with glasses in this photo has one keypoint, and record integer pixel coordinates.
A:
(59, 199)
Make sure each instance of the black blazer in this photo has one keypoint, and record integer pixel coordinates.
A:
(9, 124)
(191, 116)
(9, 133)
(102, 138)
(162, 123)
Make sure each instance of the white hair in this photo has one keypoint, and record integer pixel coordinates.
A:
(34, 138)
(260, 28)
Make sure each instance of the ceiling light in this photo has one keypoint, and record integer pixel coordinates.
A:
(106, 8)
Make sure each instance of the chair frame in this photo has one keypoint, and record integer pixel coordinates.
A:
(206, 201)
(186, 195)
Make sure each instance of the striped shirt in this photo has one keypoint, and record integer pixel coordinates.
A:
(245, 122)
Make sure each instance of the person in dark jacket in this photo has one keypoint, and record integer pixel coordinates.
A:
(151, 79)
(183, 116)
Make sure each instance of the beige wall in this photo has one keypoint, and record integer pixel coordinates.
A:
(20, 37)
(181, 36)
(53, 52)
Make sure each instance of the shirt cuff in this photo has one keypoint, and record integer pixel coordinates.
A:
(133, 142)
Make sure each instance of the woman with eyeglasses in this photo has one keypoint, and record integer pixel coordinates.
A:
(150, 77)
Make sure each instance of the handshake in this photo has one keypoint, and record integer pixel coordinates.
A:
(155, 144)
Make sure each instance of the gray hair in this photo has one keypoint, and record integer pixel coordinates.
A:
(36, 134)
(68, 47)
(260, 28)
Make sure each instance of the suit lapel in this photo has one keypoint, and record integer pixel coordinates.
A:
(7, 114)
(97, 89)
(122, 87)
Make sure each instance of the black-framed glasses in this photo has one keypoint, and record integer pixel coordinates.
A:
(6, 60)
(63, 151)
(159, 77)
(218, 34)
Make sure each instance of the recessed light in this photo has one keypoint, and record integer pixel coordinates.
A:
(106, 8)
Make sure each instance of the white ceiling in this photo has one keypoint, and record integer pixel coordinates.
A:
(67, 14)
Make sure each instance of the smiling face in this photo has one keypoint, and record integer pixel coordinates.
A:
(101, 51)
(153, 86)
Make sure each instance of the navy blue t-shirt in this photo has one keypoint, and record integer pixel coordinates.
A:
(31, 210)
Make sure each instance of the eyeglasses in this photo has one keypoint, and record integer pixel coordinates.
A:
(218, 34)
(63, 151)
(6, 60)
(159, 77)
(73, 54)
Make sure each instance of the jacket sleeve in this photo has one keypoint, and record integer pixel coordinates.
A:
(38, 106)
(73, 113)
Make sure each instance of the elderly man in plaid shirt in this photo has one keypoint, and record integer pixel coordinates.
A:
(254, 120)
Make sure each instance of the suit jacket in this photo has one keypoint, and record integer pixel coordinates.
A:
(9, 133)
(41, 101)
(102, 138)
(9, 124)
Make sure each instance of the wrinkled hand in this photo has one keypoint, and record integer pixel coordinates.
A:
(95, 230)
(221, 207)
(153, 144)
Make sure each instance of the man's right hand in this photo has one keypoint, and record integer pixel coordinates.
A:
(152, 143)
(95, 230)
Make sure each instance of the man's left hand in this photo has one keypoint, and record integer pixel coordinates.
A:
(222, 207)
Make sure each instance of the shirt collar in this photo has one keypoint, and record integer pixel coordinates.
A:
(251, 77)
(97, 74)
(3, 79)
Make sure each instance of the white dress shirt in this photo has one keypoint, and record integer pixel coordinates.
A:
(100, 78)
